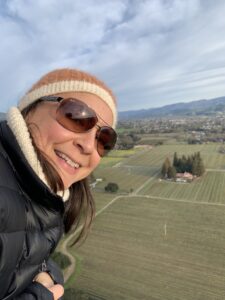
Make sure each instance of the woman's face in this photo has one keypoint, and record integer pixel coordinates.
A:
(74, 155)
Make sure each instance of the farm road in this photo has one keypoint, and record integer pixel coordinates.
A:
(63, 249)
(174, 199)
(70, 270)
(145, 183)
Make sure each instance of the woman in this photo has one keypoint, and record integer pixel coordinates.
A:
(49, 145)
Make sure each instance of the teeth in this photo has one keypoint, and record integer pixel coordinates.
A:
(68, 160)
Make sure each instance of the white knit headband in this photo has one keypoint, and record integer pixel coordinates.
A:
(69, 86)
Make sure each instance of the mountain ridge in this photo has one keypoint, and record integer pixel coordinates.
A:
(196, 107)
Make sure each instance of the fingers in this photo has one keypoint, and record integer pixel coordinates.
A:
(44, 279)
(57, 291)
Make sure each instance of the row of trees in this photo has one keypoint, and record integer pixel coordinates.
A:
(191, 163)
(127, 141)
(168, 171)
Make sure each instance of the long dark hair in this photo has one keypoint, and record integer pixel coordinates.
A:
(80, 207)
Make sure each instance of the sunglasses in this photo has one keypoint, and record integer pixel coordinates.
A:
(78, 117)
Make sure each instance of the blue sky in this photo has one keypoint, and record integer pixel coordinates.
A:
(150, 52)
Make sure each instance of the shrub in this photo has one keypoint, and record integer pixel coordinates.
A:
(112, 187)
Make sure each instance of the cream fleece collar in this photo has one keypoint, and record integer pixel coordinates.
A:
(19, 128)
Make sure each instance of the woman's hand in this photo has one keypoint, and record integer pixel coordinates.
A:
(57, 291)
(44, 279)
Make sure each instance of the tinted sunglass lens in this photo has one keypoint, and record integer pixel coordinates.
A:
(76, 115)
(106, 140)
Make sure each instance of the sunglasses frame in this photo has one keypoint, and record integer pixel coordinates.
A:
(101, 151)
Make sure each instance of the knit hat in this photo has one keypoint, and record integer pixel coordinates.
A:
(69, 80)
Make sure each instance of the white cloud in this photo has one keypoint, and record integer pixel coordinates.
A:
(149, 52)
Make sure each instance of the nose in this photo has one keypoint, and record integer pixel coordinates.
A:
(86, 141)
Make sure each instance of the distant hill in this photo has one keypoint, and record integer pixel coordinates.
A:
(194, 108)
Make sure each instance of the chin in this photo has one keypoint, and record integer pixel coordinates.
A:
(68, 184)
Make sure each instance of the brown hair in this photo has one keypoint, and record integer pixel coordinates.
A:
(80, 207)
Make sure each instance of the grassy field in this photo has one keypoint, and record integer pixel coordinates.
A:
(166, 138)
(149, 249)
(127, 177)
(155, 157)
(102, 199)
(135, 169)
(117, 156)
(161, 240)
(210, 188)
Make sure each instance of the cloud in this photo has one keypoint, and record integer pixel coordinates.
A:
(150, 53)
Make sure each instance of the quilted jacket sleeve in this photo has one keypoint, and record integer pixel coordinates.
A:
(11, 243)
(55, 272)
(35, 291)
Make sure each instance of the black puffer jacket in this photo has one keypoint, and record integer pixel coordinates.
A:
(31, 223)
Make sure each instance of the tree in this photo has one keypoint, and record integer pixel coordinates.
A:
(202, 167)
(175, 159)
(135, 137)
(200, 170)
(164, 170)
(194, 169)
(179, 165)
(171, 172)
(183, 164)
(192, 164)
(126, 142)
(189, 164)
(198, 167)
(112, 187)
(165, 167)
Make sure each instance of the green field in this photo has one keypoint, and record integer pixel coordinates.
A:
(152, 139)
(210, 188)
(155, 157)
(102, 199)
(117, 156)
(160, 240)
(149, 249)
(127, 177)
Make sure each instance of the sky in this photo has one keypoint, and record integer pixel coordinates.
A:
(149, 52)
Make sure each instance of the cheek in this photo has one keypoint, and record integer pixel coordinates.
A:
(95, 161)
(52, 134)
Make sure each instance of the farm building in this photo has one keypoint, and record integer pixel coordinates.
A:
(183, 177)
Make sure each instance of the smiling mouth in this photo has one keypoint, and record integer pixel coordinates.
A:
(70, 162)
